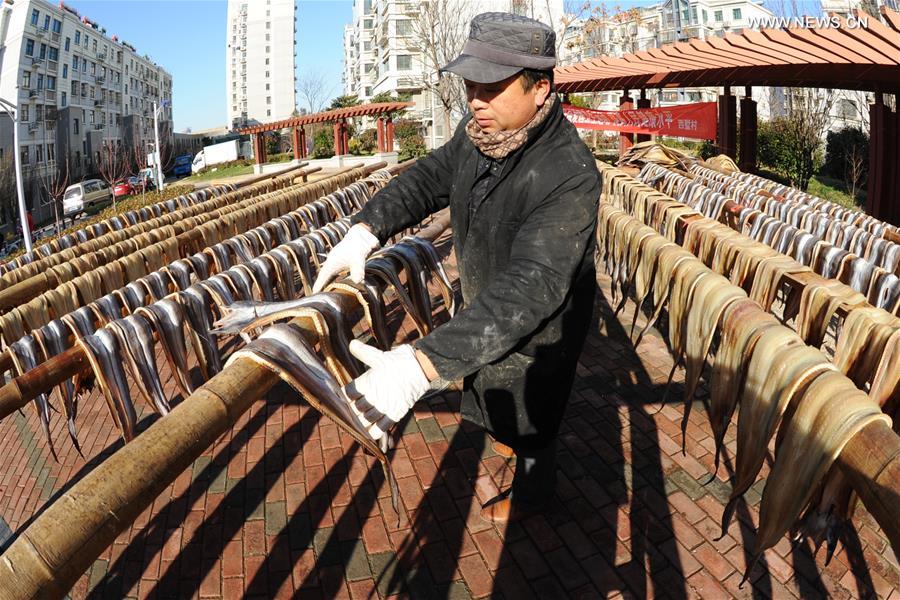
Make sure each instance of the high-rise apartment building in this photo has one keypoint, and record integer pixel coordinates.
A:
(259, 61)
(385, 51)
(76, 90)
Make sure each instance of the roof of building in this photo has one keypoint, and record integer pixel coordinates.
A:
(363, 110)
(859, 55)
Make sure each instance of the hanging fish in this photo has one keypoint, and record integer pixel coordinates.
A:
(54, 340)
(200, 265)
(280, 261)
(24, 354)
(167, 319)
(283, 350)
(385, 270)
(197, 303)
(108, 308)
(136, 337)
(103, 353)
(180, 272)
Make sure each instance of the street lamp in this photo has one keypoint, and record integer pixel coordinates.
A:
(156, 109)
(13, 113)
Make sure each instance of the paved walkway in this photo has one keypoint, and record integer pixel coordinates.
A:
(286, 505)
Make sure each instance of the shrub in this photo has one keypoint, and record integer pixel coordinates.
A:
(783, 147)
(365, 142)
(411, 146)
(323, 144)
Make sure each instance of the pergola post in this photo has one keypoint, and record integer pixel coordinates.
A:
(303, 152)
(389, 134)
(643, 102)
(345, 137)
(747, 154)
(884, 154)
(626, 140)
(379, 133)
(727, 126)
(295, 140)
(259, 147)
(336, 130)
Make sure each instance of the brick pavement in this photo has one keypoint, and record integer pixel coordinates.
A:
(286, 505)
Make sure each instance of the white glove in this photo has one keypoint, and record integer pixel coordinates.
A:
(350, 253)
(384, 394)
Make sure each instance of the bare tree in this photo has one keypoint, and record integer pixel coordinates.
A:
(7, 188)
(808, 113)
(313, 89)
(855, 173)
(439, 33)
(53, 182)
(114, 163)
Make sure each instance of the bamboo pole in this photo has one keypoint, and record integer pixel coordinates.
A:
(51, 554)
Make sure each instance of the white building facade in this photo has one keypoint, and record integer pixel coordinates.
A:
(76, 89)
(259, 61)
(383, 52)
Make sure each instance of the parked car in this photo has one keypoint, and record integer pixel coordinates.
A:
(123, 188)
(84, 195)
(147, 178)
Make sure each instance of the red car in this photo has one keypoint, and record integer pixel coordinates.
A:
(123, 188)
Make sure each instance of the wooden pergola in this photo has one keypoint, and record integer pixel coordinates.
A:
(862, 56)
(339, 116)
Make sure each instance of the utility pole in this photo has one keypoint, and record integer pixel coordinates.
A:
(13, 113)
(159, 173)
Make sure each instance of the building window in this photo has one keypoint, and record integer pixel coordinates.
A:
(77, 37)
(57, 25)
(83, 64)
(40, 81)
(25, 160)
(74, 88)
(51, 152)
(404, 62)
(65, 72)
(62, 100)
(267, 87)
(74, 63)
(268, 113)
(42, 53)
(268, 48)
(68, 41)
(404, 27)
(91, 117)
(46, 22)
(29, 47)
(35, 15)
(51, 82)
(23, 114)
(268, 99)
(26, 79)
(736, 14)
(84, 90)
(267, 61)
(39, 153)
(54, 53)
(268, 37)
(367, 24)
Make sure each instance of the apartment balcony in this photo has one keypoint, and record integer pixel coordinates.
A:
(34, 126)
(37, 62)
(40, 32)
(33, 93)
(99, 127)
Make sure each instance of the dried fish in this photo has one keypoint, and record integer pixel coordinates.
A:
(167, 319)
(197, 302)
(371, 299)
(280, 260)
(108, 308)
(200, 265)
(54, 340)
(416, 280)
(136, 337)
(429, 255)
(180, 272)
(102, 351)
(283, 350)
(241, 282)
(384, 269)
(25, 357)
(830, 412)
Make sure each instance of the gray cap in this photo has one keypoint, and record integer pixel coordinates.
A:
(502, 44)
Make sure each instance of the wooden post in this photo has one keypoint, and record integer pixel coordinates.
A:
(389, 134)
(727, 126)
(336, 129)
(643, 102)
(298, 148)
(884, 154)
(379, 134)
(747, 155)
(345, 137)
(626, 140)
(259, 148)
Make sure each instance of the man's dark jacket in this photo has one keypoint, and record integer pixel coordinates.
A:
(524, 248)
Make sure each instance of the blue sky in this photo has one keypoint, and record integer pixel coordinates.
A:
(187, 37)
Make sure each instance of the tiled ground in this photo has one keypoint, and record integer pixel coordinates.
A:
(285, 505)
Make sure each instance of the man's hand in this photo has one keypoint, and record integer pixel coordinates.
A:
(384, 394)
(350, 253)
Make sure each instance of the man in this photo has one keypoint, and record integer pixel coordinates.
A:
(523, 191)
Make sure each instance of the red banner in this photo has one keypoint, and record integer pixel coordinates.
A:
(684, 120)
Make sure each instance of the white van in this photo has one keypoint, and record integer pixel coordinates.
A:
(84, 195)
